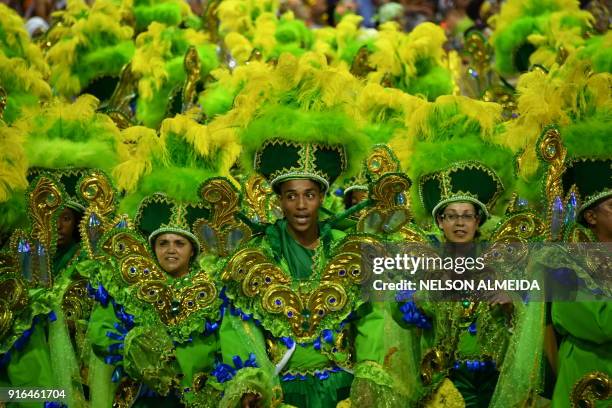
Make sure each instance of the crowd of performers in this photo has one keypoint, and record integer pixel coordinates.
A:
(189, 207)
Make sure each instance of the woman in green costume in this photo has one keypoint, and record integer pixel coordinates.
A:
(158, 317)
(297, 312)
(476, 350)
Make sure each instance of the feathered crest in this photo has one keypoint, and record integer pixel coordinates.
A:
(159, 64)
(91, 42)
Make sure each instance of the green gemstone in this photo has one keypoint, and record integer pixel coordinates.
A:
(306, 313)
(466, 303)
(175, 307)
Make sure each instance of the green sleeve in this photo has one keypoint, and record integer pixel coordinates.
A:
(243, 340)
(377, 358)
(591, 321)
(197, 356)
(31, 366)
(102, 320)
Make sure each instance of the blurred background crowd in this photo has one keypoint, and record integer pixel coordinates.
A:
(455, 16)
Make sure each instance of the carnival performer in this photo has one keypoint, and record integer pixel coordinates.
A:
(466, 336)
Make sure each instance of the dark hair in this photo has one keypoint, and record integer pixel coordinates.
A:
(347, 199)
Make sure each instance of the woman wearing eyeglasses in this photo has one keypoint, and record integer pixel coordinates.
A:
(464, 335)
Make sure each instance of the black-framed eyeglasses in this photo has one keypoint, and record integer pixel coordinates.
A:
(456, 217)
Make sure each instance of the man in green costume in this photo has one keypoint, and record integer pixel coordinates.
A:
(300, 322)
(44, 355)
(585, 323)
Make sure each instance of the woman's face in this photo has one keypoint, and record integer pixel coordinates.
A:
(459, 221)
(173, 252)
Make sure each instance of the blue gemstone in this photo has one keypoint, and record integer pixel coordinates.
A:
(332, 300)
(23, 246)
(289, 314)
(93, 220)
(278, 302)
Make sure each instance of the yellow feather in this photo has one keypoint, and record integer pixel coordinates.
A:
(13, 162)
(138, 147)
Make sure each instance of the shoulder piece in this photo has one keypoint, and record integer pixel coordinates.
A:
(299, 309)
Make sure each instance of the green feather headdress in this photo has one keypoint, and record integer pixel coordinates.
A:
(414, 62)
(316, 145)
(168, 12)
(60, 138)
(588, 163)
(186, 154)
(69, 135)
(534, 31)
(159, 62)
(22, 68)
(92, 43)
(452, 158)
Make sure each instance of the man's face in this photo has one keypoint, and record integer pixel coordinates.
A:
(459, 221)
(66, 225)
(173, 253)
(300, 201)
(599, 219)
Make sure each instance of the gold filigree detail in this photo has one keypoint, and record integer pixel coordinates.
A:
(200, 294)
(256, 196)
(380, 161)
(509, 240)
(223, 232)
(388, 214)
(97, 191)
(301, 308)
(176, 305)
(135, 260)
(350, 263)
(193, 69)
(45, 199)
(13, 298)
(126, 393)
(210, 21)
(578, 234)
(505, 97)
(480, 53)
(553, 152)
(76, 304)
(432, 362)
(138, 270)
(118, 106)
(592, 387)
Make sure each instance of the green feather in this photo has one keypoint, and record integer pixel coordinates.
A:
(295, 125)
